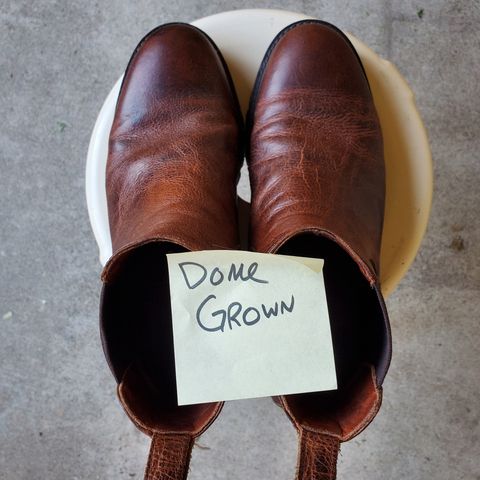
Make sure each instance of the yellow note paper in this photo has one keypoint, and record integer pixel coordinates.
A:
(249, 325)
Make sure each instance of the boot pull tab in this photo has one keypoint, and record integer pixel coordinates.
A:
(169, 457)
(317, 458)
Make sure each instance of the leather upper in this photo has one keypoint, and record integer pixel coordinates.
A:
(174, 159)
(316, 151)
(174, 154)
(316, 166)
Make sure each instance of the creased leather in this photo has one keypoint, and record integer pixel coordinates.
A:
(174, 155)
(177, 182)
(317, 458)
(169, 457)
(316, 150)
(173, 164)
(316, 166)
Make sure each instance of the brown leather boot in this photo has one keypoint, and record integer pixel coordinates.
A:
(173, 164)
(318, 188)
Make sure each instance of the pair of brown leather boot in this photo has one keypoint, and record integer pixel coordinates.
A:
(315, 155)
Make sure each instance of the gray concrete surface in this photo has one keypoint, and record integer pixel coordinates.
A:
(59, 418)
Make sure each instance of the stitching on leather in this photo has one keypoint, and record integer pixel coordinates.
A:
(148, 431)
(342, 437)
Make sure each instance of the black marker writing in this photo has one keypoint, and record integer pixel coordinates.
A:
(195, 274)
(236, 315)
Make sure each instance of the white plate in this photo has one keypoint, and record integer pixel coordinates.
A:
(243, 37)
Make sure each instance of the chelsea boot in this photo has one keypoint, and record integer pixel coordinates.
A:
(318, 190)
(173, 164)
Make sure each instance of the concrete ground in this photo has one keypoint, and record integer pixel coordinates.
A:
(59, 417)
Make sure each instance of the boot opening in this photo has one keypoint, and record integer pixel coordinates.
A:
(137, 337)
(361, 342)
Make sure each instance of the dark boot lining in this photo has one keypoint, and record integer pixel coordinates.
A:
(137, 330)
(356, 319)
(138, 339)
